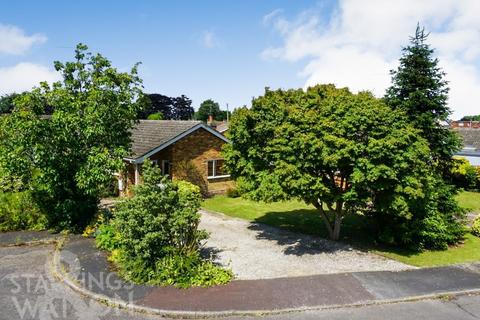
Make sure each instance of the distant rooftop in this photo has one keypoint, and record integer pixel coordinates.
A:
(471, 141)
(465, 124)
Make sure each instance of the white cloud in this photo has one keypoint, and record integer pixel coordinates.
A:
(24, 76)
(14, 41)
(361, 41)
(210, 40)
(269, 16)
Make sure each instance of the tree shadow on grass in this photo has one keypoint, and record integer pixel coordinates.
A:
(308, 234)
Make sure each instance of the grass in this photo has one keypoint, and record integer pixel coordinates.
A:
(469, 200)
(469, 251)
(299, 217)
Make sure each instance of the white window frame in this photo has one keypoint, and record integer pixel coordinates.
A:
(215, 169)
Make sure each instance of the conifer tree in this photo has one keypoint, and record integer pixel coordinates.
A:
(420, 90)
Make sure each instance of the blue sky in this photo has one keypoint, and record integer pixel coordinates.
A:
(231, 50)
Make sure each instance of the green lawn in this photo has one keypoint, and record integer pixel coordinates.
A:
(297, 216)
(469, 200)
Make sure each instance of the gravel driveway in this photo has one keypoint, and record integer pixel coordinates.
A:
(256, 251)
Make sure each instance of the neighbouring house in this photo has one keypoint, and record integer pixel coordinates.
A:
(469, 131)
(222, 127)
(184, 150)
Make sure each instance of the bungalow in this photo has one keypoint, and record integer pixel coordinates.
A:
(184, 150)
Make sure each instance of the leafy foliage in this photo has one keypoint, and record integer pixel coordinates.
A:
(471, 118)
(464, 175)
(210, 108)
(341, 152)
(476, 227)
(155, 116)
(419, 89)
(18, 135)
(171, 108)
(18, 211)
(434, 221)
(159, 239)
(180, 270)
(74, 152)
(7, 102)
(106, 238)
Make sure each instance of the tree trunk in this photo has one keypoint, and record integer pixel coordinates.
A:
(338, 219)
(334, 227)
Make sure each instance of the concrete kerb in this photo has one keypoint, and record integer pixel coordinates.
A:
(59, 272)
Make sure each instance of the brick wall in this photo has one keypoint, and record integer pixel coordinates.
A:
(194, 151)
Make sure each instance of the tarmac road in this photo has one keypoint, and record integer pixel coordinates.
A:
(27, 291)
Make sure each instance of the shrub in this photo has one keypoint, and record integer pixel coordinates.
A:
(464, 175)
(431, 221)
(476, 227)
(162, 217)
(159, 240)
(180, 270)
(18, 211)
(233, 193)
(106, 238)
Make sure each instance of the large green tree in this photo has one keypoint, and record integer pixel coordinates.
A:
(179, 108)
(420, 90)
(75, 151)
(342, 152)
(210, 108)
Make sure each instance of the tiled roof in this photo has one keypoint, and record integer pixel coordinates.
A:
(222, 126)
(149, 134)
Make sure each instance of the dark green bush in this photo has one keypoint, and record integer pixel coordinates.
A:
(432, 221)
(18, 211)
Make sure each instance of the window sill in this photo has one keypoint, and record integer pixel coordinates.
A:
(218, 177)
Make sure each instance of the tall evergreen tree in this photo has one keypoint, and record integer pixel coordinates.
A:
(420, 90)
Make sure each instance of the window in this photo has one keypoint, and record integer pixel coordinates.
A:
(216, 169)
(166, 166)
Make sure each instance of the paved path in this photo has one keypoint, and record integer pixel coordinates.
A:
(257, 251)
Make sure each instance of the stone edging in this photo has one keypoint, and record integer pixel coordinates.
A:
(62, 276)
(30, 243)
